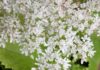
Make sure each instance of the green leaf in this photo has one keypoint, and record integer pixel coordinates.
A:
(11, 58)
(95, 61)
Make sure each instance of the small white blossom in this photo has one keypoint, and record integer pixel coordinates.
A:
(55, 29)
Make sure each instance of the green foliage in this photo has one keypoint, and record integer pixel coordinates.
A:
(12, 58)
(95, 61)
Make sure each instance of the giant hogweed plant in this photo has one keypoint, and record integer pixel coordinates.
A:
(56, 30)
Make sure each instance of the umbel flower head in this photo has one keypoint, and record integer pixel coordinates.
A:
(54, 29)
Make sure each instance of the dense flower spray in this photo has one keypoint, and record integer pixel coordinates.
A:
(55, 29)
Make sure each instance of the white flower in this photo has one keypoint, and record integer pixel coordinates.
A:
(33, 68)
(66, 64)
(38, 30)
(91, 53)
(80, 16)
(63, 27)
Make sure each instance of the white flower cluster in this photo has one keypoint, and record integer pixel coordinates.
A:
(53, 29)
